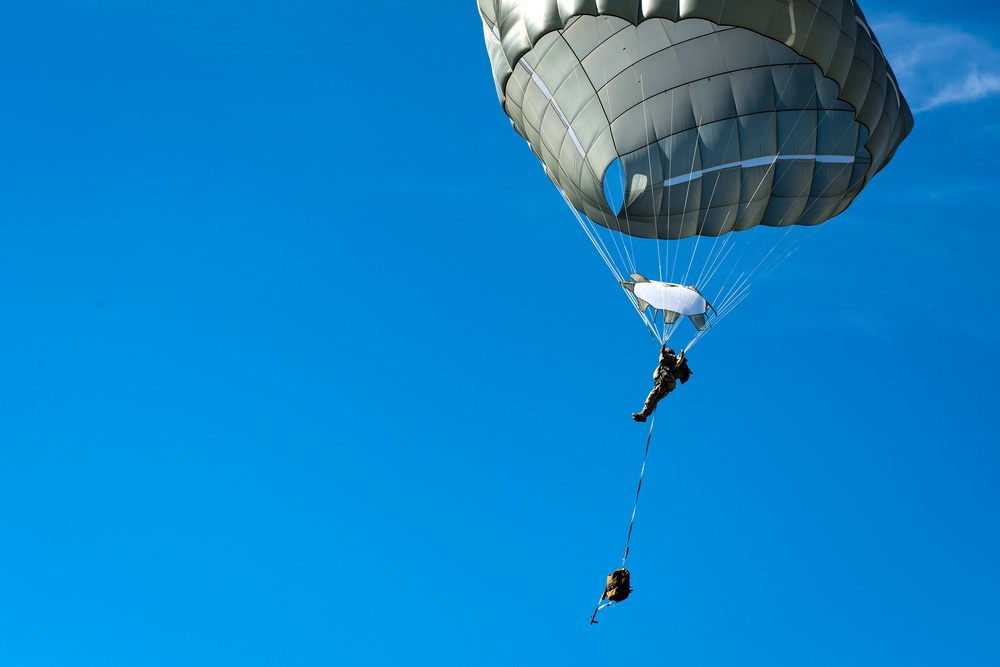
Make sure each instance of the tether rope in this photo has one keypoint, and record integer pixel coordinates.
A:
(600, 603)
(642, 471)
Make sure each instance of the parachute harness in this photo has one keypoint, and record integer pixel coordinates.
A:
(618, 588)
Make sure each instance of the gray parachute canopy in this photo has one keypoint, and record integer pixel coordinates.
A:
(714, 116)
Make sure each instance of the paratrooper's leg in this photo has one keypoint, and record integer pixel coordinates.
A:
(660, 389)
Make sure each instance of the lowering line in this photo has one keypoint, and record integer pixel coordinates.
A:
(621, 576)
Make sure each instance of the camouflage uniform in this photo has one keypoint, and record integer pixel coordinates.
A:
(671, 369)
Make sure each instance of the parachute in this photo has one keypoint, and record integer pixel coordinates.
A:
(689, 137)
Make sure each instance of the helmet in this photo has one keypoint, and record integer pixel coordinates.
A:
(668, 350)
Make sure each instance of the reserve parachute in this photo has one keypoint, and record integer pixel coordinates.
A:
(690, 137)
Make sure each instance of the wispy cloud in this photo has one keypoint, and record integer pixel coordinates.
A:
(938, 65)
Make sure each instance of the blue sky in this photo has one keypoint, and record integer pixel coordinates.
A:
(286, 381)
